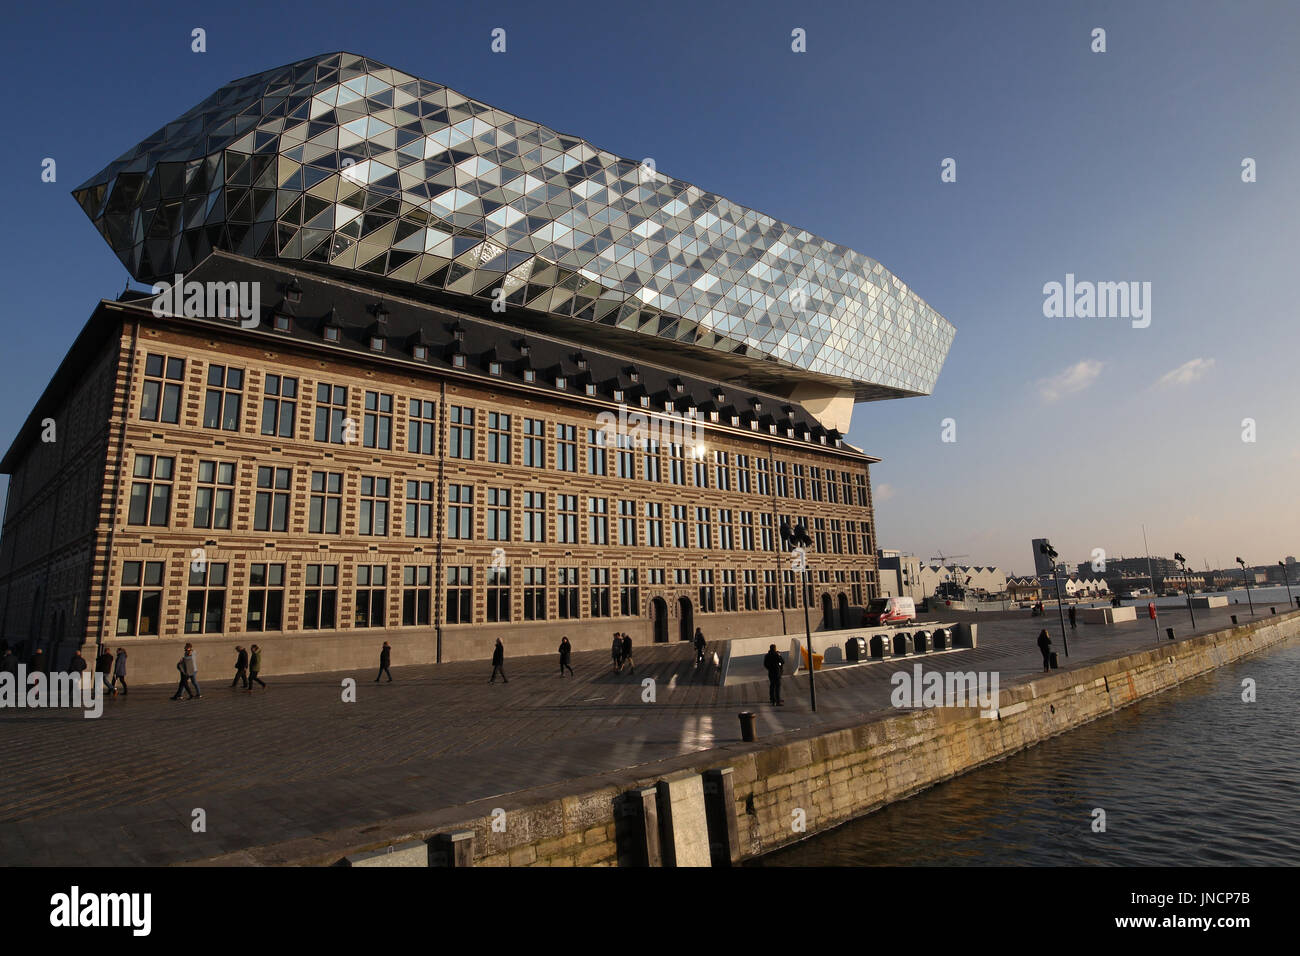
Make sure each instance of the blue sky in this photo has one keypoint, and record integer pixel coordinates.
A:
(1115, 166)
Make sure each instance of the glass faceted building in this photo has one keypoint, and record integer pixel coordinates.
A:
(343, 164)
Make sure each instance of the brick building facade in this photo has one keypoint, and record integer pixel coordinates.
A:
(359, 468)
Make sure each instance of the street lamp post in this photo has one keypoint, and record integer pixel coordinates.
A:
(1048, 550)
(1286, 578)
(798, 539)
(1244, 577)
(1187, 584)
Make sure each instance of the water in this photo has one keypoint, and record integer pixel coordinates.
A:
(1193, 776)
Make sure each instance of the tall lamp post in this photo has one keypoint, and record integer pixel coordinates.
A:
(1047, 549)
(1187, 583)
(1287, 578)
(1245, 578)
(797, 540)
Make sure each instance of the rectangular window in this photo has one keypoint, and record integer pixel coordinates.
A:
(213, 494)
(598, 521)
(597, 458)
(863, 491)
(742, 474)
(460, 433)
(626, 458)
(627, 523)
(535, 516)
(629, 595)
(566, 519)
(534, 594)
(498, 595)
(723, 469)
(654, 524)
(460, 511)
(770, 594)
(279, 405)
(151, 491)
(205, 602)
(265, 598)
(419, 509)
(460, 595)
(139, 600)
(271, 510)
(498, 438)
(650, 462)
(791, 595)
(417, 595)
(800, 484)
(372, 511)
(676, 465)
(566, 447)
(726, 534)
(224, 398)
(160, 395)
(377, 423)
(703, 529)
(534, 443)
(326, 502)
(371, 596)
(701, 475)
(421, 427)
(747, 531)
(331, 410)
(729, 589)
(765, 532)
(764, 487)
(815, 483)
(751, 590)
(782, 482)
(498, 515)
(320, 596)
(679, 526)
(707, 601)
(599, 578)
(566, 595)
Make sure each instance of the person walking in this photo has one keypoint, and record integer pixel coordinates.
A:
(616, 652)
(775, 664)
(78, 666)
(104, 666)
(184, 685)
(566, 652)
(627, 653)
(498, 663)
(1045, 645)
(119, 670)
(385, 656)
(191, 669)
(699, 647)
(241, 669)
(1073, 613)
(255, 667)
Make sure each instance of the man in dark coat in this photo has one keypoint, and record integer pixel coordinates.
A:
(255, 668)
(104, 665)
(566, 651)
(119, 670)
(498, 663)
(774, 663)
(77, 665)
(1045, 645)
(241, 668)
(385, 656)
(699, 647)
(627, 652)
(1073, 612)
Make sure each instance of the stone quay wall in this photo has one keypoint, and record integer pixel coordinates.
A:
(753, 791)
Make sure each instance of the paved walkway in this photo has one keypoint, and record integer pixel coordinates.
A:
(294, 760)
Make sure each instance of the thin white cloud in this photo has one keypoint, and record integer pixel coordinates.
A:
(1187, 373)
(884, 492)
(1073, 379)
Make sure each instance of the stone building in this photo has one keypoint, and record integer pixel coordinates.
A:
(434, 419)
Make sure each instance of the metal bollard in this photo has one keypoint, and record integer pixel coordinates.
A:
(748, 722)
(1170, 632)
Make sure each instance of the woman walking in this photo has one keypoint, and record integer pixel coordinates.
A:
(566, 650)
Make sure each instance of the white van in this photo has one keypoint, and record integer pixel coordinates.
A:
(889, 610)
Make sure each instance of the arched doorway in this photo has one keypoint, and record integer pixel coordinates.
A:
(685, 619)
(659, 614)
(828, 613)
(844, 610)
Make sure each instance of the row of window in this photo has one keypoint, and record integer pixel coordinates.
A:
(508, 595)
(622, 521)
(631, 457)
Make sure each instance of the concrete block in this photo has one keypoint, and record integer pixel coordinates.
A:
(453, 849)
(720, 806)
(414, 853)
(683, 820)
(636, 823)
